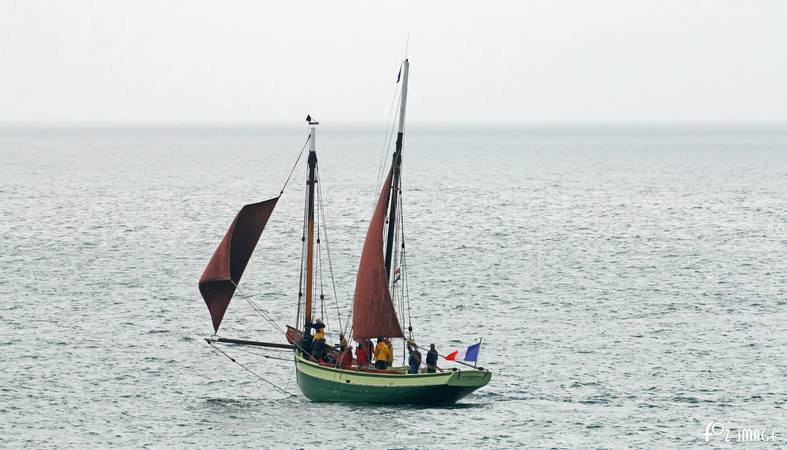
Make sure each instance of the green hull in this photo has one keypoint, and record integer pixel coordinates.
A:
(326, 384)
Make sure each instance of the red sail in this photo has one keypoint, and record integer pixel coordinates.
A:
(225, 268)
(373, 311)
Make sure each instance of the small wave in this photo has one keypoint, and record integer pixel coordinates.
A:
(595, 401)
(685, 399)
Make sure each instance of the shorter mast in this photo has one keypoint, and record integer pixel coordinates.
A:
(397, 168)
(310, 182)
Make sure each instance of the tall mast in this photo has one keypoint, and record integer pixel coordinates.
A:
(397, 168)
(310, 182)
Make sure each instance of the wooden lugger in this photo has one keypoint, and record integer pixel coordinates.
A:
(380, 285)
(327, 384)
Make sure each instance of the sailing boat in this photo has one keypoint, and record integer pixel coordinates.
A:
(374, 314)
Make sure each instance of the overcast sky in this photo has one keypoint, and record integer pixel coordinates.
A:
(527, 61)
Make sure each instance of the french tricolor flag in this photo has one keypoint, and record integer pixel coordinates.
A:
(471, 354)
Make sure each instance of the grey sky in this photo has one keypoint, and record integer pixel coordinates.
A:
(526, 61)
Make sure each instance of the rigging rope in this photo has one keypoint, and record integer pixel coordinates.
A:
(257, 353)
(324, 222)
(259, 310)
(405, 281)
(389, 130)
(249, 370)
(295, 165)
(290, 377)
(347, 325)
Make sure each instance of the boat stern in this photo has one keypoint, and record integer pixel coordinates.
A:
(470, 378)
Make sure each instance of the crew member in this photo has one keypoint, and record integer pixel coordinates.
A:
(414, 361)
(389, 362)
(369, 346)
(347, 358)
(381, 354)
(318, 340)
(431, 359)
(362, 356)
(342, 342)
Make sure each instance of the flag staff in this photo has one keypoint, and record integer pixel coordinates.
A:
(475, 363)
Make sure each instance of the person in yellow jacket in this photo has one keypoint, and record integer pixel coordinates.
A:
(319, 335)
(390, 352)
(381, 354)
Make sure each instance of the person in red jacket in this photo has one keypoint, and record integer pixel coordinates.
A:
(347, 358)
(362, 356)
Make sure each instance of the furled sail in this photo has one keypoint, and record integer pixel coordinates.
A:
(373, 311)
(223, 272)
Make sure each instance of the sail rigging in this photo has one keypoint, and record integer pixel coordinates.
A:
(373, 310)
(223, 273)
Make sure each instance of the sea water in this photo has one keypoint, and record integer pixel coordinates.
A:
(629, 284)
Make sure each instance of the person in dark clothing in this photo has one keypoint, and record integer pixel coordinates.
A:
(318, 340)
(369, 348)
(431, 360)
(306, 344)
(318, 349)
(414, 361)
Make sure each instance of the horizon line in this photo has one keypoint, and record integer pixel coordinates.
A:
(246, 124)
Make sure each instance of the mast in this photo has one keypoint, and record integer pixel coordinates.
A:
(310, 182)
(397, 168)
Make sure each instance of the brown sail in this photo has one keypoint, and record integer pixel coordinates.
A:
(223, 272)
(373, 311)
